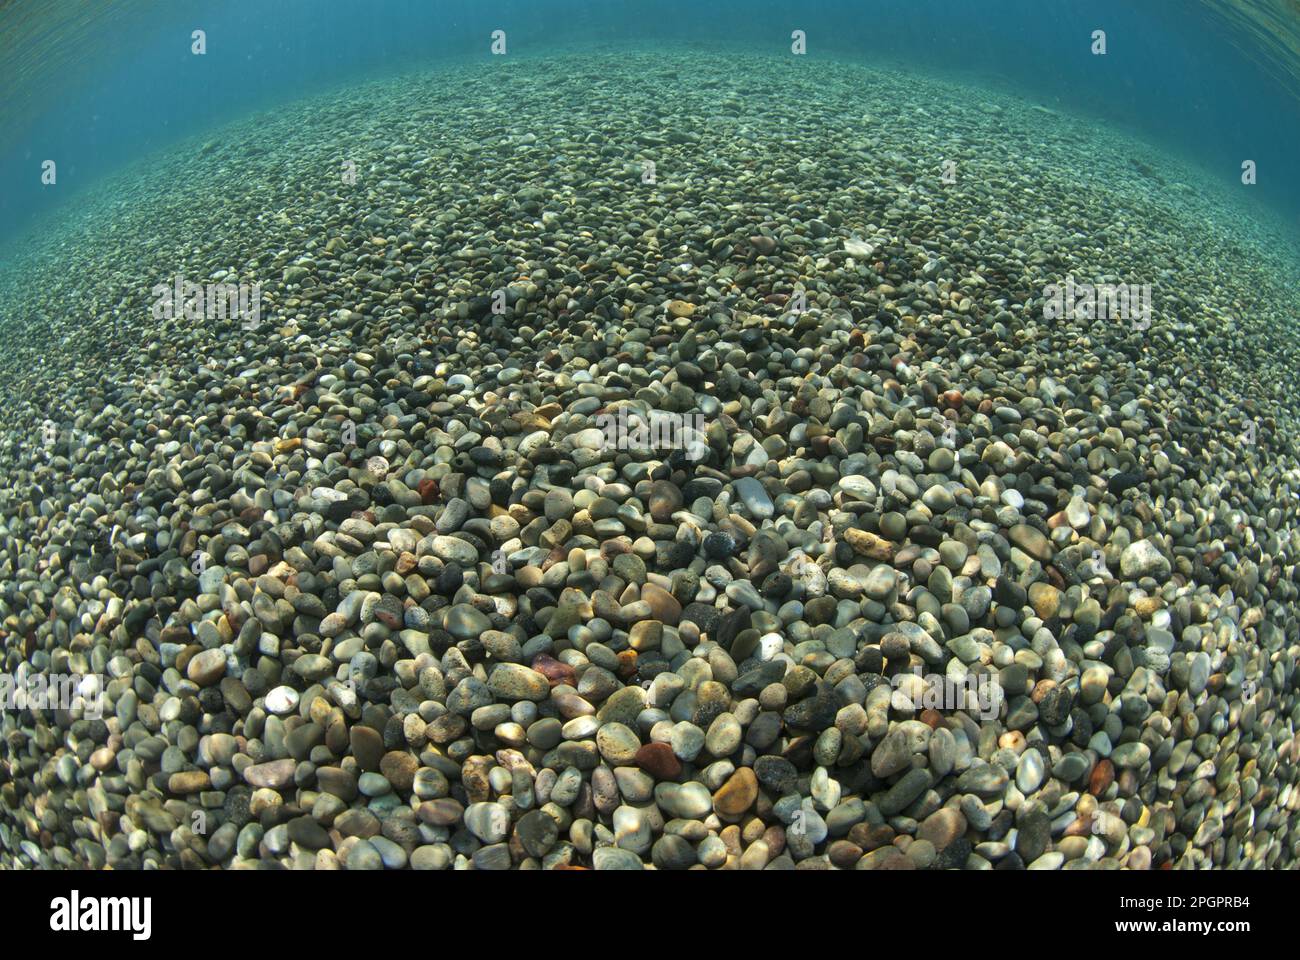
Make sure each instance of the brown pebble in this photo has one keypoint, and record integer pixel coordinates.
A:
(367, 747)
(870, 545)
(658, 760)
(443, 812)
(1103, 775)
(774, 837)
(1041, 689)
(188, 781)
(554, 670)
(844, 854)
(398, 768)
(870, 837)
(942, 827)
(931, 718)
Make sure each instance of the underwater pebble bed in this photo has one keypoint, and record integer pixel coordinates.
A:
(941, 583)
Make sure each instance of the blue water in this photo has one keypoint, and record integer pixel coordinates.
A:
(132, 87)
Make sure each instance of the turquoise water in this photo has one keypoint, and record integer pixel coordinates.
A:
(93, 89)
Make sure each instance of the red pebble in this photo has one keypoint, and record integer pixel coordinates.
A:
(658, 760)
(1103, 775)
(555, 671)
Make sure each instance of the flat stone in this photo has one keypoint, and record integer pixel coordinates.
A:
(909, 786)
(986, 781)
(754, 497)
(465, 622)
(1032, 541)
(274, 775)
(306, 832)
(617, 743)
(513, 681)
(1128, 755)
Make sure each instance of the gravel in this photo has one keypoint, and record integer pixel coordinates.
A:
(945, 585)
